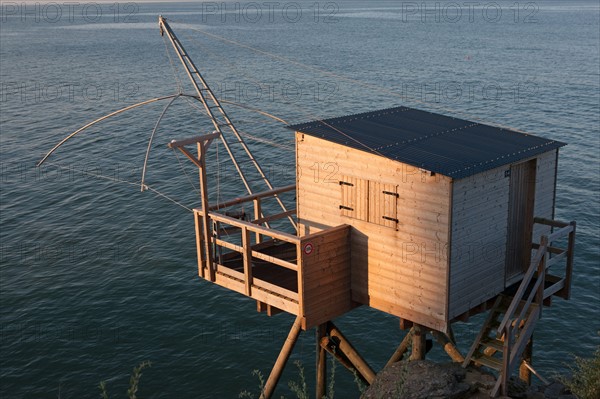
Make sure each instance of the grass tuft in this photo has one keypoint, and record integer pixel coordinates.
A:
(300, 388)
(134, 382)
(585, 381)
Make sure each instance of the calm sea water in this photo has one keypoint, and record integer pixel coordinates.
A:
(97, 276)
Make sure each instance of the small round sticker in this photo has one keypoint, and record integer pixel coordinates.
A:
(308, 248)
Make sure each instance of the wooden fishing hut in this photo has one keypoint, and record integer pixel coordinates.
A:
(423, 216)
(442, 209)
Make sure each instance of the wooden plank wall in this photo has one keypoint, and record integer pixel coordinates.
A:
(325, 277)
(544, 191)
(479, 231)
(521, 202)
(479, 228)
(402, 270)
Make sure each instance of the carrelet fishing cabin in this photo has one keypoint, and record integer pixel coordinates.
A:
(442, 209)
(423, 216)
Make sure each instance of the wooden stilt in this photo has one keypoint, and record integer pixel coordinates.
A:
(419, 344)
(451, 334)
(353, 356)
(524, 371)
(402, 349)
(448, 346)
(332, 348)
(321, 362)
(282, 359)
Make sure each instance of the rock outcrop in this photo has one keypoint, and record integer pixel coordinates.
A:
(425, 379)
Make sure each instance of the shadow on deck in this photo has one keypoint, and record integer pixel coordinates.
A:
(306, 276)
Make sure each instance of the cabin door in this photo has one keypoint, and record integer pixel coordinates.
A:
(520, 219)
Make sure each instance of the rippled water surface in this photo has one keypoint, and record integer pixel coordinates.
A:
(97, 276)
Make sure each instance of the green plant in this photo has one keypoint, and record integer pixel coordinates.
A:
(134, 381)
(330, 387)
(585, 381)
(261, 381)
(362, 387)
(300, 388)
(103, 392)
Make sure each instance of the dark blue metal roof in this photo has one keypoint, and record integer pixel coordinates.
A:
(450, 146)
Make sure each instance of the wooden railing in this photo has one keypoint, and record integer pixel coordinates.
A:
(521, 316)
(253, 287)
(243, 256)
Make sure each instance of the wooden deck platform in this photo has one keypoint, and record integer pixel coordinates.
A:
(306, 276)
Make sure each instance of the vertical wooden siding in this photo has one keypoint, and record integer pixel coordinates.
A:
(544, 191)
(325, 278)
(520, 219)
(479, 233)
(403, 270)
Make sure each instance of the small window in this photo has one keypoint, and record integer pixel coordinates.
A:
(383, 204)
(370, 201)
(355, 198)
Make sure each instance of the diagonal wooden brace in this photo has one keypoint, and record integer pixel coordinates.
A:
(282, 359)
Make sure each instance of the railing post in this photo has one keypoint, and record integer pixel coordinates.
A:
(205, 218)
(541, 271)
(569, 268)
(506, 359)
(199, 243)
(247, 255)
(257, 215)
(217, 250)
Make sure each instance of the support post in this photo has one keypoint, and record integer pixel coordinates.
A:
(524, 371)
(419, 344)
(448, 346)
(353, 356)
(332, 348)
(402, 349)
(321, 379)
(205, 218)
(282, 359)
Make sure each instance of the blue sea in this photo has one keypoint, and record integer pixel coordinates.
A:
(97, 276)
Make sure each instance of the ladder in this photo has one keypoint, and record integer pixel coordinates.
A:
(508, 329)
(490, 347)
(232, 140)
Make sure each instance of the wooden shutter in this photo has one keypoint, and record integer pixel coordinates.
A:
(354, 198)
(383, 204)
